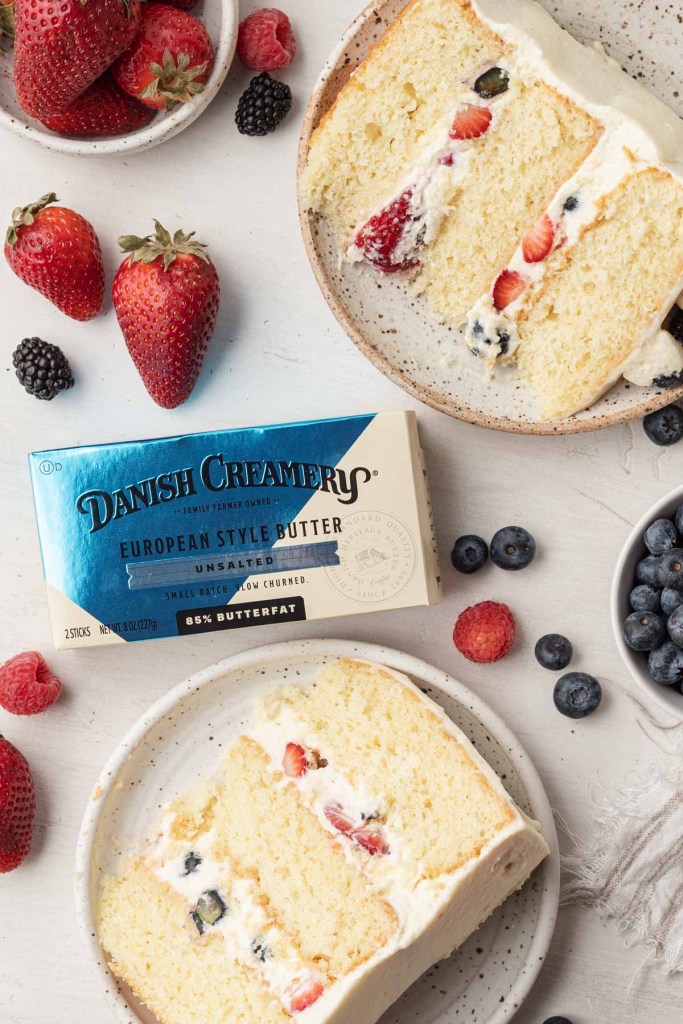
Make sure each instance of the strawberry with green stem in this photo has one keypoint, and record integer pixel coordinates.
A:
(166, 296)
(60, 49)
(56, 251)
(169, 62)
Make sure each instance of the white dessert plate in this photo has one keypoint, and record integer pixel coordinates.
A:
(183, 735)
(221, 18)
(392, 327)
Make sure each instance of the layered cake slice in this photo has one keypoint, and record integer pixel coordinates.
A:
(541, 211)
(351, 839)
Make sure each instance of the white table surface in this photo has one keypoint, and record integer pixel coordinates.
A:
(279, 355)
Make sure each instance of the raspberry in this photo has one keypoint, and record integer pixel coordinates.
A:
(485, 632)
(27, 686)
(265, 41)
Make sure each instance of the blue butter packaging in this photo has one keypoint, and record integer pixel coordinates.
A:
(235, 528)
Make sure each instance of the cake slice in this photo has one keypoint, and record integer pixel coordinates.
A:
(539, 210)
(351, 839)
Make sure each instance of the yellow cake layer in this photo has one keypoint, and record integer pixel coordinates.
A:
(386, 741)
(272, 836)
(402, 96)
(184, 978)
(537, 142)
(601, 294)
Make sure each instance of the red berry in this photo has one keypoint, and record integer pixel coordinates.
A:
(539, 240)
(266, 41)
(17, 806)
(471, 122)
(507, 288)
(379, 238)
(295, 762)
(372, 839)
(339, 819)
(27, 686)
(305, 994)
(485, 632)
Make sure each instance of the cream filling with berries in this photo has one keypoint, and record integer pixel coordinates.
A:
(432, 182)
(251, 936)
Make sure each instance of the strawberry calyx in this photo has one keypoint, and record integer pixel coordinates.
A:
(7, 19)
(23, 216)
(174, 81)
(162, 245)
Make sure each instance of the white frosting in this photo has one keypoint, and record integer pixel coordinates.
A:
(661, 357)
(434, 916)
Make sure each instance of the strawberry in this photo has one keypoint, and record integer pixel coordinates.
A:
(304, 994)
(183, 5)
(295, 762)
(6, 19)
(62, 48)
(56, 251)
(507, 288)
(338, 818)
(27, 686)
(17, 806)
(372, 839)
(471, 122)
(380, 236)
(539, 240)
(166, 296)
(368, 835)
(170, 60)
(101, 110)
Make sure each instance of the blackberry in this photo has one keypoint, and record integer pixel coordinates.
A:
(263, 105)
(42, 369)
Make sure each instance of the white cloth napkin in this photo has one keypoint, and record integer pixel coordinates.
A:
(631, 868)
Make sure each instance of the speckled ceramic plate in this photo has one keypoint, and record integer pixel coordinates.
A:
(183, 735)
(393, 328)
(221, 18)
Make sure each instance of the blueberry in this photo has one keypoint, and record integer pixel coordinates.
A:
(665, 665)
(557, 1020)
(647, 570)
(553, 651)
(674, 323)
(577, 694)
(209, 910)
(469, 553)
(670, 569)
(571, 204)
(661, 536)
(643, 631)
(260, 950)
(670, 600)
(191, 863)
(674, 626)
(645, 598)
(493, 82)
(678, 518)
(665, 426)
(513, 548)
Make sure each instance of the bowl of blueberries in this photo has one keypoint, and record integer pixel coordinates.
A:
(647, 603)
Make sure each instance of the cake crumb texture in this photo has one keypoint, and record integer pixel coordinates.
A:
(184, 978)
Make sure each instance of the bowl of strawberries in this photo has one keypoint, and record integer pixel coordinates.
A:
(111, 76)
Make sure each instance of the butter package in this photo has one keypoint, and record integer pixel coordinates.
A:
(235, 528)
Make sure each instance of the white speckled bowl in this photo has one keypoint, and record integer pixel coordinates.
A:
(221, 18)
(622, 584)
(392, 327)
(484, 982)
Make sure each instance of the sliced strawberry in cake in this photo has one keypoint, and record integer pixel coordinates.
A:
(380, 239)
(508, 288)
